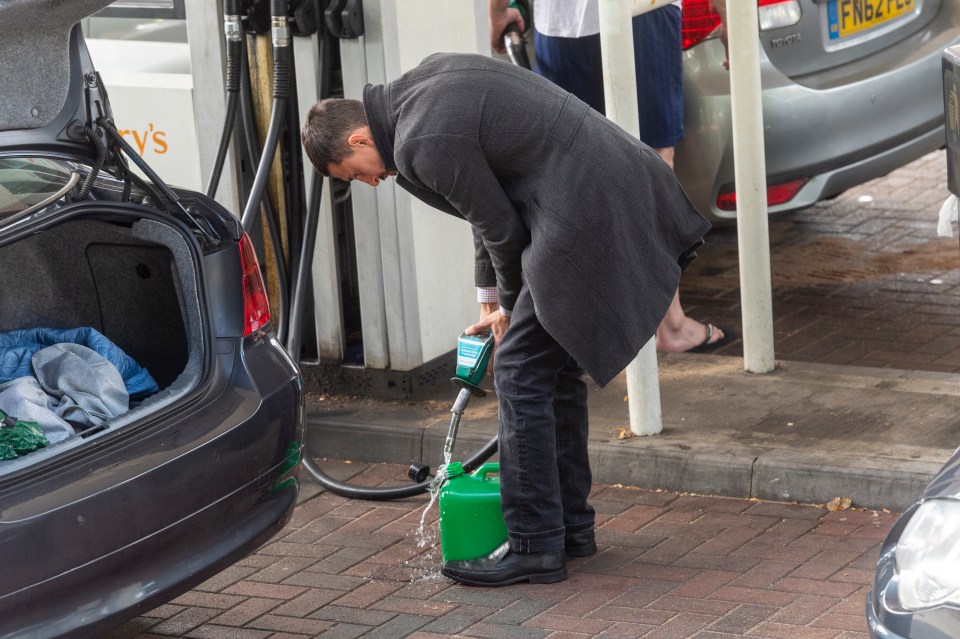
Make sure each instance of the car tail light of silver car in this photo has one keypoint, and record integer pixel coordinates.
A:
(776, 14)
(700, 20)
(928, 556)
(256, 308)
(780, 193)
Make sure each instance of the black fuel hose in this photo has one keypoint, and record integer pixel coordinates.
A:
(385, 493)
(301, 282)
(233, 32)
(293, 343)
(302, 277)
(296, 197)
(281, 90)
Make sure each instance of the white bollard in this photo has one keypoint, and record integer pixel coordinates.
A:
(620, 91)
(750, 170)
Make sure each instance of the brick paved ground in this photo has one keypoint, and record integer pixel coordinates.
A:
(670, 566)
(862, 279)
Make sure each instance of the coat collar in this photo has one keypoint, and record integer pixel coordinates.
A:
(376, 106)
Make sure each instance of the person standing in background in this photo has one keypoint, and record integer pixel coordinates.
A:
(567, 46)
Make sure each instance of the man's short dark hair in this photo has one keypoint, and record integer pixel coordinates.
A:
(329, 123)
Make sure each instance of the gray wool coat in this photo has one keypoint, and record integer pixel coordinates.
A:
(564, 201)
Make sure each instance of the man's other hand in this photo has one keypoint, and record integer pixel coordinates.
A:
(501, 15)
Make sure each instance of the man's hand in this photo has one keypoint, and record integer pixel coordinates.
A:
(500, 16)
(491, 319)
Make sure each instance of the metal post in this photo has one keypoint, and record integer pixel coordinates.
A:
(620, 91)
(750, 176)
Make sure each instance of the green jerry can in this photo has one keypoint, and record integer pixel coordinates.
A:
(471, 522)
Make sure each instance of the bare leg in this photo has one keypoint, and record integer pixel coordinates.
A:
(677, 332)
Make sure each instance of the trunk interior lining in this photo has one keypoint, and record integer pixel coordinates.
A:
(136, 284)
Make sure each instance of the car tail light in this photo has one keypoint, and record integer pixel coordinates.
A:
(776, 194)
(776, 14)
(256, 308)
(699, 21)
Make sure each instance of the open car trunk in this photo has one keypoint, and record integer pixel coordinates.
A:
(134, 281)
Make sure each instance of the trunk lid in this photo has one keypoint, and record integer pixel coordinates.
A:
(44, 66)
(57, 106)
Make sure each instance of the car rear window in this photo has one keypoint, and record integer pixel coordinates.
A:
(26, 183)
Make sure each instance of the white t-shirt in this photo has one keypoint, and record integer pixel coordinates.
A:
(569, 18)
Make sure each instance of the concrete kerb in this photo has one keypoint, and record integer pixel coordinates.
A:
(875, 436)
(785, 476)
(815, 478)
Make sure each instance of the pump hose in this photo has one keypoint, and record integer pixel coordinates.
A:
(384, 493)
(302, 272)
(301, 282)
(281, 89)
(234, 36)
(302, 278)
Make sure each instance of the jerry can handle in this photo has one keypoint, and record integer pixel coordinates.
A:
(487, 469)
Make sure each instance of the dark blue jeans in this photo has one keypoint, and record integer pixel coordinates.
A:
(545, 474)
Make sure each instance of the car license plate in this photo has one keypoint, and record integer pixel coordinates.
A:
(847, 17)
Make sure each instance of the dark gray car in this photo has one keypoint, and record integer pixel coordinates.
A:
(916, 589)
(135, 336)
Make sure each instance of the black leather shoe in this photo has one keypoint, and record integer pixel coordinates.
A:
(580, 544)
(502, 567)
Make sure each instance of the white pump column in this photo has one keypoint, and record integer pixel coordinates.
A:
(415, 263)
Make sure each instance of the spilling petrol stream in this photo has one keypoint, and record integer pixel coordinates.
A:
(470, 516)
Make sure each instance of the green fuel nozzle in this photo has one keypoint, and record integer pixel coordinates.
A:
(473, 355)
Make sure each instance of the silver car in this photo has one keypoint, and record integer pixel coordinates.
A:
(851, 90)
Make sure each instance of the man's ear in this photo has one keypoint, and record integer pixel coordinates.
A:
(360, 137)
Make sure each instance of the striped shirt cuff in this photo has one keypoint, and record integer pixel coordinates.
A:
(487, 295)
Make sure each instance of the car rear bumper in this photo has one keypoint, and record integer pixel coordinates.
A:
(151, 570)
(834, 130)
(115, 535)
